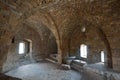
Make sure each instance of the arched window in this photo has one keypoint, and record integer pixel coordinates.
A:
(83, 51)
(21, 48)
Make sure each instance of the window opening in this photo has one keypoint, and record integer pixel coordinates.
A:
(102, 56)
(21, 48)
(83, 51)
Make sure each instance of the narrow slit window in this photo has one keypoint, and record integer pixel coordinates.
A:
(102, 56)
(83, 51)
(21, 48)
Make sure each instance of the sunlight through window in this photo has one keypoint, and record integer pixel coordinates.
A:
(102, 56)
(21, 48)
(83, 51)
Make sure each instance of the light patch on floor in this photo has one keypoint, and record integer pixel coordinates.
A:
(44, 71)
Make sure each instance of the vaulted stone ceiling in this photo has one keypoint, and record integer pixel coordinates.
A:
(64, 18)
(65, 14)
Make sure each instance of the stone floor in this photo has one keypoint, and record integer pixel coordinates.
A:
(47, 71)
(5, 77)
(100, 70)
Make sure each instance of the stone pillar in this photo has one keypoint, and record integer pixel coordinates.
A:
(59, 52)
(59, 57)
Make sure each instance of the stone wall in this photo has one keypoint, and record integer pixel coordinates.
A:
(40, 49)
(65, 18)
(116, 59)
(94, 45)
(14, 59)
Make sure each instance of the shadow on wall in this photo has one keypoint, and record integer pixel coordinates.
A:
(26, 42)
(18, 54)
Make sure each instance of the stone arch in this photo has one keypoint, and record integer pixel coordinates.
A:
(20, 20)
(38, 30)
(101, 35)
(53, 28)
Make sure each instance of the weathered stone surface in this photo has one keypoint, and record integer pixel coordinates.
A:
(59, 24)
(42, 44)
